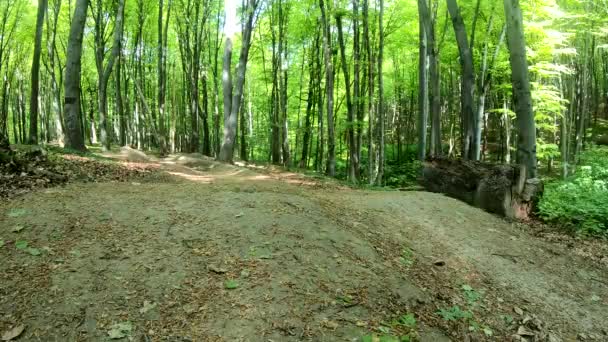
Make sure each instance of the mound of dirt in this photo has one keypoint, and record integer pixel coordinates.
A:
(33, 167)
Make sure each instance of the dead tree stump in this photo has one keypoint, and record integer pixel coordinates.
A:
(499, 189)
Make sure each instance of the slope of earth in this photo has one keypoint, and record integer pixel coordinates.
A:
(222, 253)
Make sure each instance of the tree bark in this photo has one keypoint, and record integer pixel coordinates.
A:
(381, 113)
(105, 72)
(74, 138)
(470, 150)
(230, 124)
(329, 88)
(353, 165)
(42, 5)
(526, 137)
(423, 83)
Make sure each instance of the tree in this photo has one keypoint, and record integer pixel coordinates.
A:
(74, 138)
(233, 96)
(469, 148)
(330, 169)
(423, 84)
(522, 98)
(42, 5)
(104, 72)
(353, 165)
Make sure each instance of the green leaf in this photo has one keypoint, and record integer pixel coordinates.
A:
(120, 330)
(1, 243)
(231, 284)
(17, 228)
(21, 244)
(33, 251)
(16, 212)
(467, 287)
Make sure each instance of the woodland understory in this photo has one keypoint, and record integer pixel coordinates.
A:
(269, 113)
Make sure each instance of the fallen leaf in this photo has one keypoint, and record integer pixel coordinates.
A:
(21, 244)
(523, 331)
(120, 330)
(33, 251)
(231, 284)
(147, 307)
(518, 311)
(13, 333)
(333, 325)
(17, 228)
(16, 212)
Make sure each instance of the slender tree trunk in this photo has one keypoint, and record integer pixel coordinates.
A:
(104, 73)
(230, 125)
(329, 88)
(42, 5)
(423, 83)
(470, 148)
(381, 112)
(353, 165)
(74, 138)
(526, 138)
(370, 98)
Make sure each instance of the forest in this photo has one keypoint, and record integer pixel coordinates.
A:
(337, 87)
(502, 104)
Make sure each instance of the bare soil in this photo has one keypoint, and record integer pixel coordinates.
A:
(225, 253)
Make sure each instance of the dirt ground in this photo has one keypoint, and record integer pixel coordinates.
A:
(226, 253)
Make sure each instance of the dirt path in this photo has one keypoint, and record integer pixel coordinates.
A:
(222, 253)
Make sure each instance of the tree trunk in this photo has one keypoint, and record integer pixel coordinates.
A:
(230, 125)
(499, 189)
(329, 88)
(42, 4)
(381, 114)
(470, 149)
(423, 83)
(104, 73)
(353, 165)
(526, 138)
(74, 138)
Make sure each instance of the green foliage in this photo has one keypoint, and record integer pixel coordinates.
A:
(407, 321)
(16, 212)
(580, 202)
(405, 174)
(231, 284)
(470, 294)
(24, 246)
(454, 313)
(385, 338)
(407, 257)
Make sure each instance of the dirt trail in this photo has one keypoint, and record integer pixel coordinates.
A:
(223, 253)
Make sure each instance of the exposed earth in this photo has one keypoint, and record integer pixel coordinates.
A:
(216, 252)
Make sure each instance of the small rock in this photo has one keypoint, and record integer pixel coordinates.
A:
(518, 311)
(525, 332)
(216, 269)
(13, 333)
(245, 273)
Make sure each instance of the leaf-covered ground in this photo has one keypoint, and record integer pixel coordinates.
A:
(201, 251)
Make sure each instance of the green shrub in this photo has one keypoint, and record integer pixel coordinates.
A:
(581, 201)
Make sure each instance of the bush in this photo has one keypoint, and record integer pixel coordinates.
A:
(581, 201)
(403, 175)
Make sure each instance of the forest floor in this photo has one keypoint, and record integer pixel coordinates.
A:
(203, 251)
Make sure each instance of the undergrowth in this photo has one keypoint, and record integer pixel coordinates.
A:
(580, 202)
